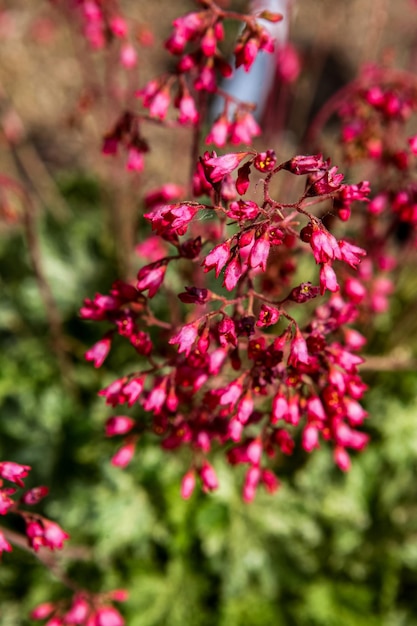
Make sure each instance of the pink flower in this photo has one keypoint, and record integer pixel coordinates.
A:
(219, 167)
(99, 351)
(108, 616)
(78, 612)
(208, 43)
(279, 408)
(42, 610)
(206, 79)
(352, 255)
(245, 407)
(219, 132)
(185, 338)
(45, 533)
(268, 315)
(135, 161)
(151, 277)
(232, 393)
(328, 279)
(128, 56)
(310, 438)
(293, 415)
(232, 273)
(217, 258)
(208, 476)
(35, 495)
(133, 389)
(288, 63)
(53, 536)
(14, 472)
(118, 26)
(242, 180)
(244, 128)
(159, 104)
(301, 165)
(315, 409)
(341, 458)
(124, 455)
(270, 481)
(243, 210)
(188, 111)
(119, 425)
(265, 161)
(355, 413)
(298, 350)
(355, 290)
(188, 485)
(245, 53)
(353, 339)
(254, 451)
(324, 245)
(252, 479)
(260, 251)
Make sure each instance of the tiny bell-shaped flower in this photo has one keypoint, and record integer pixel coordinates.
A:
(151, 277)
(260, 251)
(99, 351)
(185, 338)
(188, 485)
(217, 258)
(14, 472)
(208, 477)
(124, 455)
(108, 616)
(218, 167)
(119, 425)
(233, 273)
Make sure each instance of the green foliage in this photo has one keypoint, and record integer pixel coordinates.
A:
(328, 550)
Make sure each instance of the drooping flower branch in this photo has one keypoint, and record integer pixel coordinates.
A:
(245, 376)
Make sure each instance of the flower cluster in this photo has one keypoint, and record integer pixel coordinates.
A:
(241, 373)
(85, 610)
(375, 116)
(195, 41)
(103, 23)
(40, 531)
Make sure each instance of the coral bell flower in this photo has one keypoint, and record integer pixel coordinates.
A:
(324, 245)
(218, 167)
(352, 255)
(219, 132)
(53, 536)
(187, 485)
(328, 279)
(123, 456)
(260, 252)
(108, 616)
(233, 273)
(217, 258)
(185, 338)
(119, 425)
(151, 277)
(268, 316)
(14, 472)
(298, 350)
(245, 127)
(99, 351)
(188, 111)
(208, 477)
